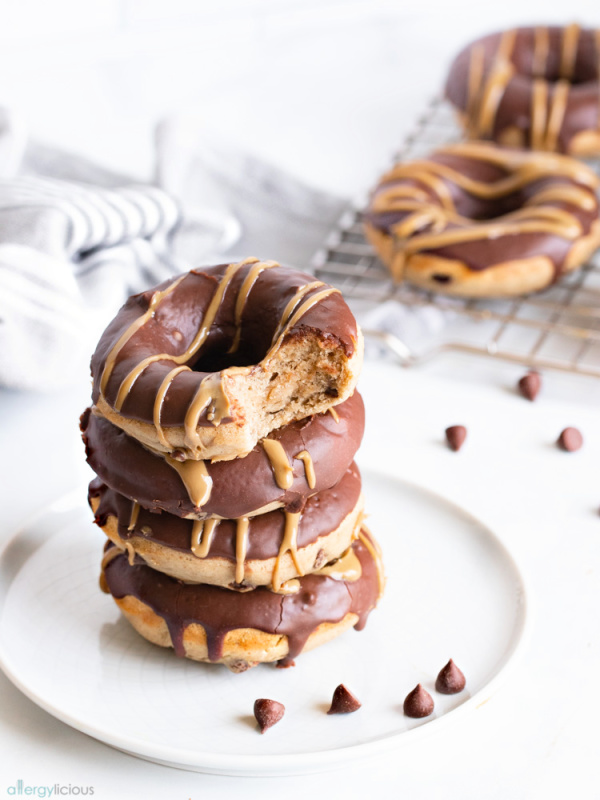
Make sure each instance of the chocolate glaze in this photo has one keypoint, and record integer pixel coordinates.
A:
(322, 514)
(486, 252)
(241, 486)
(178, 318)
(319, 599)
(514, 110)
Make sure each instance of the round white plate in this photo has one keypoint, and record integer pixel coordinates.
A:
(453, 591)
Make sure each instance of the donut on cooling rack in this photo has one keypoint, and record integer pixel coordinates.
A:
(531, 87)
(266, 550)
(477, 220)
(242, 629)
(205, 365)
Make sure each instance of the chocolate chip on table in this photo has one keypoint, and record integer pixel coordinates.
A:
(530, 385)
(450, 679)
(267, 713)
(455, 436)
(343, 701)
(570, 439)
(418, 703)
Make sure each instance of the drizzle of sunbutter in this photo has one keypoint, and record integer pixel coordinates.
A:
(108, 556)
(289, 587)
(194, 476)
(194, 346)
(130, 553)
(569, 51)
(556, 113)
(541, 48)
(539, 113)
(501, 72)
(210, 394)
(334, 413)
(297, 315)
(241, 545)
(309, 468)
(475, 76)
(346, 568)
(135, 511)
(159, 400)
(155, 301)
(242, 297)
(291, 305)
(278, 458)
(202, 536)
(288, 545)
(370, 543)
(538, 215)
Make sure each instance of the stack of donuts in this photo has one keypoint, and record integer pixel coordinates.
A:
(509, 216)
(223, 432)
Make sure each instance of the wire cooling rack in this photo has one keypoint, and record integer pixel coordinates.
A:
(558, 328)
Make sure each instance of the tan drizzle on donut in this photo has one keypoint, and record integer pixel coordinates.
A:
(282, 470)
(195, 478)
(431, 223)
(347, 567)
(309, 467)
(241, 545)
(489, 79)
(242, 297)
(202, 535)
(210, 399)
(288, 545)
(135, 512)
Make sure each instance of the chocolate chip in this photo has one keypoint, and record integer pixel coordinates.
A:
(320, 560)
(418, 703)
(570, 439)
(267, 713)
(441, 278)
(178, 455)
(455, 436)
(530, 385)
(450, 679)
(343, 701)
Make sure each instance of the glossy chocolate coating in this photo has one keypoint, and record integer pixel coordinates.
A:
(241, 486)
(485, 252)
(514, 108)
(177, 319)
(319, 599)
(322, 514)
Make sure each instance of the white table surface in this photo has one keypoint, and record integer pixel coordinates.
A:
(538, 737)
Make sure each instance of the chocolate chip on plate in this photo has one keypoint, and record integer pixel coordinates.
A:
(343, 701)
(418, 703)
(570, 439)
(450, 679)
(267, 713)
(530, 385)
(455, 436)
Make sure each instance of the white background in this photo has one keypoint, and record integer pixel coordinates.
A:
(325, 90)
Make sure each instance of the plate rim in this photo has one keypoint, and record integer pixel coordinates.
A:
(286, 763)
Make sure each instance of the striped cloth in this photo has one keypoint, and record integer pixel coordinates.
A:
(70, 255)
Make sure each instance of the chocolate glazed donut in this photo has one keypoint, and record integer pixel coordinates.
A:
(210, 362)
(283, 470)
(531, 87)
(477, 220)
(268, 550)
(210, 623)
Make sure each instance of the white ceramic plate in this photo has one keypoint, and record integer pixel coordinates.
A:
(453, 591)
